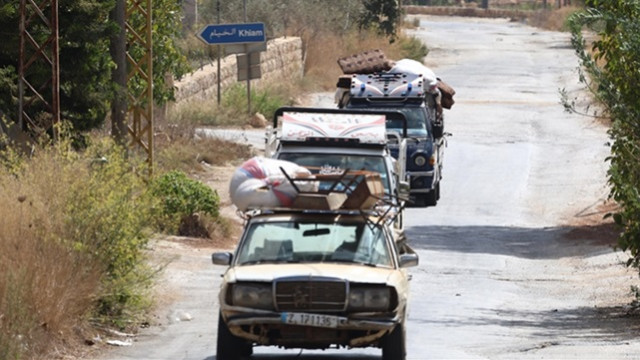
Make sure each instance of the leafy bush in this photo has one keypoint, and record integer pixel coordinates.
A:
(412, 48)
(111, 211)
(613, 69)
(181, 197)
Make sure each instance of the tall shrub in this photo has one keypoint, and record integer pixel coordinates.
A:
(613, 69)
(110, 212)
(73, 235)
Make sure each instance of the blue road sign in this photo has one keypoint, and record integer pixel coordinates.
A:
(233, 33)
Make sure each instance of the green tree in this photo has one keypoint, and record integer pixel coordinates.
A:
(613, 69)
(85, 64)
(86, 88)
(167, 58)
(84, 61)
(382, 15)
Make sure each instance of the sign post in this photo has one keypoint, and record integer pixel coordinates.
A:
(227, 34)
(245, 38)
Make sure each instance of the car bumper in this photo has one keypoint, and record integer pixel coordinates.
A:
(421, 182)
(268, 328)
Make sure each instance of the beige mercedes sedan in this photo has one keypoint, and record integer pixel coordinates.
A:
(314, 280)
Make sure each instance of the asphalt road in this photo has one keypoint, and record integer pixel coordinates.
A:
(509, 266)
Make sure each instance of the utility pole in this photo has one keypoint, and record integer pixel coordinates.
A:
(139, 56)
(118, 48)
(36, 51)
(244, 7)
(131, 50)
(219, 53)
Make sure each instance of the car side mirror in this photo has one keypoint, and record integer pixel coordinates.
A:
(408, 260)
(222, 258)
(404, 189)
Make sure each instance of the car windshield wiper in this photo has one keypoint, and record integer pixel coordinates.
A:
(269, 261)
(354, 262)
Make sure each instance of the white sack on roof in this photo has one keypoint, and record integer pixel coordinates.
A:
(260, 183)
(415, 67)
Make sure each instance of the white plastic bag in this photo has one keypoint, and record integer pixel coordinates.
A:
(260, 183)
(415, 67)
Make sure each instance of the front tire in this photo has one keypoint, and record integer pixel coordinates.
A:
(432, 197)
(229, 346)
(393, 344)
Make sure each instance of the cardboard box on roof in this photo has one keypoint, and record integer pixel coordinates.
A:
(367, 192)
(319, 201)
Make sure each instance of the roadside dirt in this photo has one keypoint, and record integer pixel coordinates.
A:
(218, 178)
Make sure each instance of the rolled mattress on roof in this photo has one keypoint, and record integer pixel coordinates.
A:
(260, 183)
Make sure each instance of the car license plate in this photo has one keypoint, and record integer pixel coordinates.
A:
(317, 320)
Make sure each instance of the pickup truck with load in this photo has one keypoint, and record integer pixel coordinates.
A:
(410, 88)
(329, 141)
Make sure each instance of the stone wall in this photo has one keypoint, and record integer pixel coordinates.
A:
(281, 61)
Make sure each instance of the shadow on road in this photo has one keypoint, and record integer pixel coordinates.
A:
(589, 324)
(529, 243)
(308, 357)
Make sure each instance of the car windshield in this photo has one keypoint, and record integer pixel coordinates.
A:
(336, 163)
(415, 115)
(416, 122)
(313, 241)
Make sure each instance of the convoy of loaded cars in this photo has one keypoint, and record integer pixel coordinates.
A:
(322, 261)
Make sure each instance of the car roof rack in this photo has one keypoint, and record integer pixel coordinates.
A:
(348, 192)
(388, 85)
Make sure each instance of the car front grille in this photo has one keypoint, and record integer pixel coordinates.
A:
(311, 295)
(418, 182)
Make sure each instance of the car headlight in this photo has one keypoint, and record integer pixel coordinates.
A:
(420, 160)
(257, 296)
(370, 299)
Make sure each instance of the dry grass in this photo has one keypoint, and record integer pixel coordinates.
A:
(551, 19)
(179, 149)
(324, 51)
(72, 227)
(266, 98)
(555, 20)
(46, 288)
